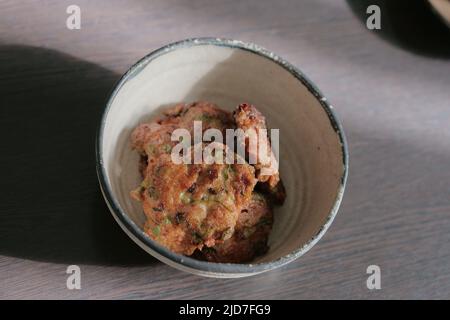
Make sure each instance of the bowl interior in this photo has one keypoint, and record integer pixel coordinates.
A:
(311, 156)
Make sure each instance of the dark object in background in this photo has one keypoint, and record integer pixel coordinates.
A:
(442, 9)
(411, 25)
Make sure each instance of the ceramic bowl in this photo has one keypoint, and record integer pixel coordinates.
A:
(313, 152)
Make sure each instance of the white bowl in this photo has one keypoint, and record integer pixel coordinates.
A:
(313, 151)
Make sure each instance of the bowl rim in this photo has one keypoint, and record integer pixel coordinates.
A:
(137, 234)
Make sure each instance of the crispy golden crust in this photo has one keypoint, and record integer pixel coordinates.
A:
(192, 205)
(183, 116)
(209, 209)
(248, 118)
(188, 206)
(209, 114)
(158, 133)
(250, 237)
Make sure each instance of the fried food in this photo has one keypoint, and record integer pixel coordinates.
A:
(154, 138)
(209, 209)
(250, 237)
(249, 119)
(191, 206)
(149, 138)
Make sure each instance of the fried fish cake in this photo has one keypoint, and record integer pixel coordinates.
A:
(151, 140)
(183, 116)
(250, 237)
(249, 119)
(209, 209)
(208, 113)
(159, 131)
(154, 138)
(189, 206)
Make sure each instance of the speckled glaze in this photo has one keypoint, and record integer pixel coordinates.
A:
(313, 151)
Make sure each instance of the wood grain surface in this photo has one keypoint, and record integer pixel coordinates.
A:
(390, 88)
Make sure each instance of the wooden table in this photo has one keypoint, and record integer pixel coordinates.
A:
(390, 87)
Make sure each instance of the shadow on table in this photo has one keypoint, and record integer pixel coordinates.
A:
(411, 25)
(51, 208)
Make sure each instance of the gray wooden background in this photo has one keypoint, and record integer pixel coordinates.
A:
(390, 88)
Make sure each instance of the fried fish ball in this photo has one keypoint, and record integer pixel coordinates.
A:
(250, 237)
(189, 206)
(248, 118)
